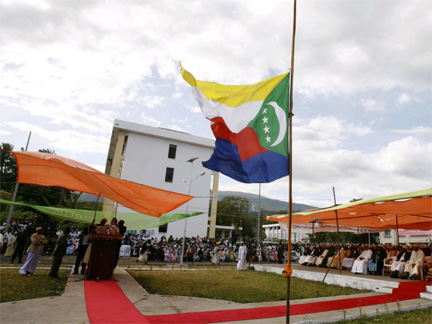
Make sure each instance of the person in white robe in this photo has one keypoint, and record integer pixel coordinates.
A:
(34, 253)
(361, 263)
(216, 258)
(11, 244)
(242, 255)
(399, 261)
(414, 264)
(321, 258)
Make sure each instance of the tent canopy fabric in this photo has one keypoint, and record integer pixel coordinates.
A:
(411, 210)
(311, 228)
(133, 221)
(55, 171)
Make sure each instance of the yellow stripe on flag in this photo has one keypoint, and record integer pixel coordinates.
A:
(233, 95)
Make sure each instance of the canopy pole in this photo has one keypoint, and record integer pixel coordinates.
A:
(397, 229)
(338, 241)
(96, 208)
(15, 191)
(288, 269)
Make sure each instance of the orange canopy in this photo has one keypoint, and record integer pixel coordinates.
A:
(412, 210)
(55, 171)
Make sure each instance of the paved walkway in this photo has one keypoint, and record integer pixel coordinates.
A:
(71, 307)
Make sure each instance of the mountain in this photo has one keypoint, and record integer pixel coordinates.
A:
(267, 204)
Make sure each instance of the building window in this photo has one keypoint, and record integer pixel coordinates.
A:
(172, 151)
(387, 233)
(163, 228)
(169, 175)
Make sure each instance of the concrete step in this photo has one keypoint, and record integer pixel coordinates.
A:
(385, 289)
(427, 295)
(429, 289)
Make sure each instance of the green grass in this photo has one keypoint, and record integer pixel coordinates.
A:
(232, 285)
(420, 316)
(15, 286)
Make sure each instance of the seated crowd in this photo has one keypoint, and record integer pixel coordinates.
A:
(404, 262)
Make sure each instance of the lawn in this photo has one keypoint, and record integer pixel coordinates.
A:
(15, 286)
(232, 285)
(420, 316)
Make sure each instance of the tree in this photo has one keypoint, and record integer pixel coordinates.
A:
(8, 168)
(233, 210)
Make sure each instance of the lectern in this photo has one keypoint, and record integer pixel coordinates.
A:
(102, 256)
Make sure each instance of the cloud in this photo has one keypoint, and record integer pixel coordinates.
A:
(147, 120)
(419, 131)
(73, 53)
(405, 98)
(373, 105)
(405, 163)
(324, 132)
(66, 73)
(73, 142)
(152, 102)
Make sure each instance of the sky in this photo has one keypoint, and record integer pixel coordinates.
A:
(362, 85)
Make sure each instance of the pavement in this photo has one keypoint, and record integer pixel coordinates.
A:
(70, 307)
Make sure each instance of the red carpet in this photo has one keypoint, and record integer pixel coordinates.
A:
(106, 303)
(406, 290)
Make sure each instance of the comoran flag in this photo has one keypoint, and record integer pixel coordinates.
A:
(250, 123)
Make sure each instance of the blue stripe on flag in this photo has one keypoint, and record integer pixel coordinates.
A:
(261, 168)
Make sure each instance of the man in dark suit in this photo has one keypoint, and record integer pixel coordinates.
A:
(21, 243)
(122, 231)
(59, 252)
(82, 248)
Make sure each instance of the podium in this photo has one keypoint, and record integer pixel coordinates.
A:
(102, 256)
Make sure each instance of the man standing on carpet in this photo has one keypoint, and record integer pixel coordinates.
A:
(34, 253)
(59, 252)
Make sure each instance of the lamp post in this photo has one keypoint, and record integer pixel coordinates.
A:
(191, 161)
(316, 220)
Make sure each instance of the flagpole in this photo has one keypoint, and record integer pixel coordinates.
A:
(288, 269)
(11, 207)
(259, 216)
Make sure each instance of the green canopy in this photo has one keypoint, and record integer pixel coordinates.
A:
(133, 221)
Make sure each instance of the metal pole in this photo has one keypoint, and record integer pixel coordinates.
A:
(96, 208)
(213, 212)
(290, 168)
(397, 229)
(191, 160)
(15, 191)
(259, 215)
(337, 226)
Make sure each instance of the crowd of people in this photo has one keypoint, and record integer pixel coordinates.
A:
(401, 261)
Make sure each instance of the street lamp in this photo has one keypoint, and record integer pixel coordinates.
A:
(316, 220)
(191, 161)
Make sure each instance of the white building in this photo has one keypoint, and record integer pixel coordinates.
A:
(163, 159)
(390, 237)
(274, 232)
